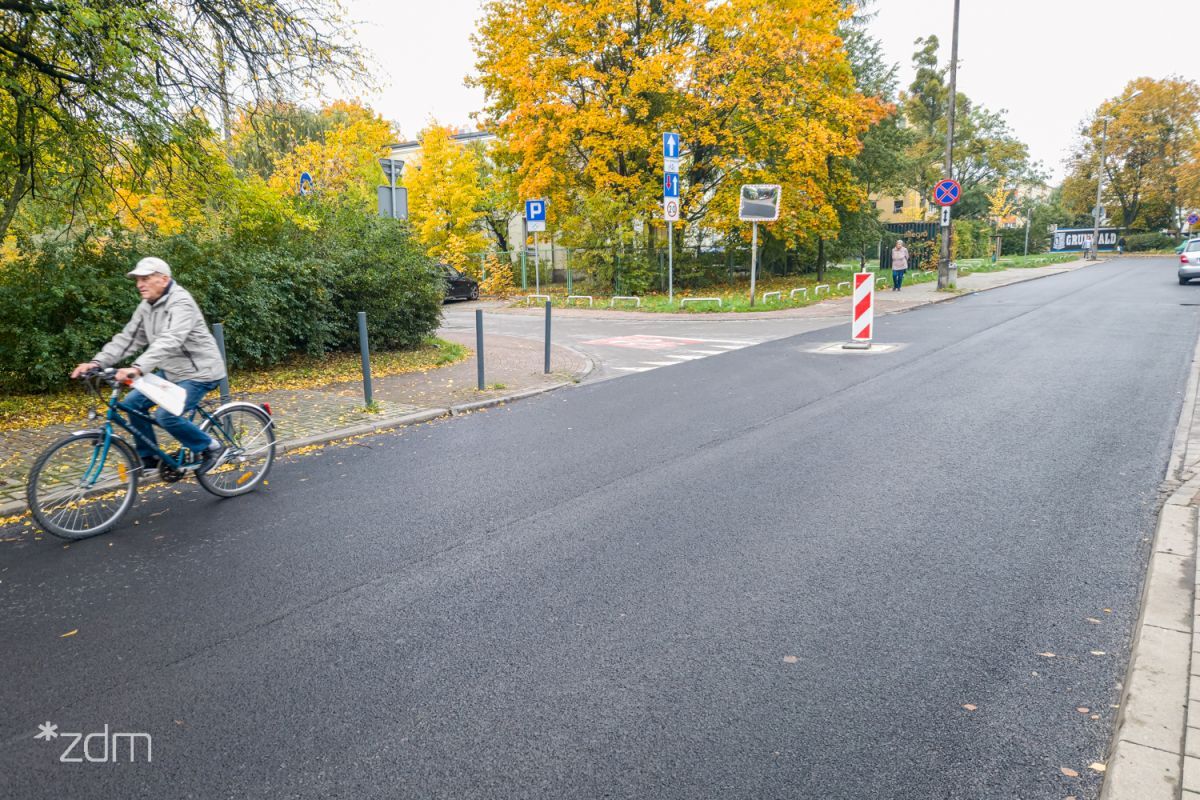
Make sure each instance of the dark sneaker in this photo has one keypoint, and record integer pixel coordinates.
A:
(150, 464)
(211, 458)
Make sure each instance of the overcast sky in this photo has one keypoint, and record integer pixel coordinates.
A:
(1048, 62)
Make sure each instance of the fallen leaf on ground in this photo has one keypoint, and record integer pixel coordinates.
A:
(1070, 773)
(1098, 653)
(1082, 709)
(790, 659)
(1046, 655)
(1093, 620)
(969, 706)
(1096, 766)
(69, 633)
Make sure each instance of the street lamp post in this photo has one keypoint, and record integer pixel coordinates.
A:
(1095, 247)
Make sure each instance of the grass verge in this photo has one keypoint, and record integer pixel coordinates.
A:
(303, 372)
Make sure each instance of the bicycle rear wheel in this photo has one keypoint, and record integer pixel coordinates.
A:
(79, 488)
(249, 433)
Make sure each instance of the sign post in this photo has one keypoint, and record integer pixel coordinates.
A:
(946, 193)
(671, 147)
(535, 222)
(759, 203)
(392, 200)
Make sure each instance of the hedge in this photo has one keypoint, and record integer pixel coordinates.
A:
(296, 292)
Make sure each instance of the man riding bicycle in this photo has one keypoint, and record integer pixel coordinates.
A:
(169, 325)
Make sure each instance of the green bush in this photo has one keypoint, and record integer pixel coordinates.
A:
(295, 292)
(1141, 242)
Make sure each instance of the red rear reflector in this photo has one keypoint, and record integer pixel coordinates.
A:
(267, 408)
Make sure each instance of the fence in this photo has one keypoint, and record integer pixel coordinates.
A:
(630, 271)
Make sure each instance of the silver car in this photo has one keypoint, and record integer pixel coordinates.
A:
(1189, 261)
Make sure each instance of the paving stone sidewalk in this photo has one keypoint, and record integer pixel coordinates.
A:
(513, 366)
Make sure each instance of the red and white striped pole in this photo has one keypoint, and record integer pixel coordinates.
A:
(862, 312)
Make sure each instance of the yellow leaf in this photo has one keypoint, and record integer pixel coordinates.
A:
(69, 633)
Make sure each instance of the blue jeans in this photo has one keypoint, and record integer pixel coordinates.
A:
(897, 278)
(186, 431)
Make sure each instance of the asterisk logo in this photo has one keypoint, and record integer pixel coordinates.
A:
(46, 731)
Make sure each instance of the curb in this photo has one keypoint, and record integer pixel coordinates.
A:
(1157, 736)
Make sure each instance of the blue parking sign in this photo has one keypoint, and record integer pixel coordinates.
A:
(535, 215)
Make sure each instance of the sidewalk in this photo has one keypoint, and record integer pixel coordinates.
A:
(1155, 751)
(837, 306)
(309, 416)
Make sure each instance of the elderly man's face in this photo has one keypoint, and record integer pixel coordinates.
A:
(151, 287)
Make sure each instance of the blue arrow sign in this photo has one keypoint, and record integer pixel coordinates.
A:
(670, 145)
(670, 185)
(306, 183)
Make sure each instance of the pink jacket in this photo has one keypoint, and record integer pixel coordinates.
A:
(900, 258)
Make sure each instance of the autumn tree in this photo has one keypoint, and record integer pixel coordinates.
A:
(1151, 141)
(89, 85)
(344, 161)
(445, 199)
(986, 151)
(582, 90)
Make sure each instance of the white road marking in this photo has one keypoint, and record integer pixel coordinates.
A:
(634, 369)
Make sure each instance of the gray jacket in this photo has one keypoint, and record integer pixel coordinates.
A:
(175, 337)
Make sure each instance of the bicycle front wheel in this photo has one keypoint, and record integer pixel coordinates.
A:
(249, 433)
(80, 487)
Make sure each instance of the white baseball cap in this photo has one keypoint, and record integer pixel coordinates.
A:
(149, 266)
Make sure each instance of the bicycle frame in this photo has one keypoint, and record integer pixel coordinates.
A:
(113, 415)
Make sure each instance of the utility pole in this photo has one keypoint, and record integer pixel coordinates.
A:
(945, 278)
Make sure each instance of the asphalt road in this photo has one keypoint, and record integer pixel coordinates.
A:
(771, 573)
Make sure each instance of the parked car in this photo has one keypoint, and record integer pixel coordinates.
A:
(458, 285)
(1189, 261)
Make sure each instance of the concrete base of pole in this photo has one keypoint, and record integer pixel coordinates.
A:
(856, 346)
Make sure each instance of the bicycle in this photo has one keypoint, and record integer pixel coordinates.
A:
(83, 484)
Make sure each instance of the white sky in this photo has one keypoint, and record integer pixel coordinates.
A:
(1048, 62)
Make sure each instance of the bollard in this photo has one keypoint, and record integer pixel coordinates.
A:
(547, 337)
(218, 332)
(366, 355)
(479, 345)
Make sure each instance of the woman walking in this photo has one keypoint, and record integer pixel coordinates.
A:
(899, 264)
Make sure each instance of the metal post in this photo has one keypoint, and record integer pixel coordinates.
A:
(753, 260)
(547, 337)
(537, 266)
(392, 181)
(218, 331)
(524, 253)
(671, 263)
(1099, 188)
(944, 276)
(366, 355)
(479, 345)
(1028, 219)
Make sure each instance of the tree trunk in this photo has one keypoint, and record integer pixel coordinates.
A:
(22, 180)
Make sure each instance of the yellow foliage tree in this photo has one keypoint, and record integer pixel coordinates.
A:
(500, 281)
(344, 161)
(1000, 203)
(582, 90)
(445, 198)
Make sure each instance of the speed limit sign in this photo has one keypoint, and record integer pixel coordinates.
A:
(671, 209)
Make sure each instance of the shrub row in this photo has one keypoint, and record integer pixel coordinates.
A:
(294, 292)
